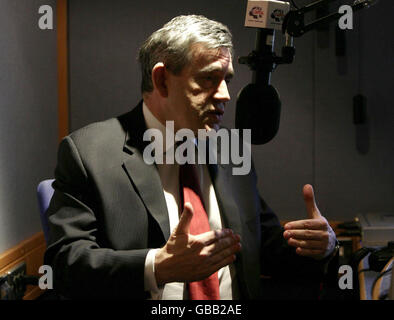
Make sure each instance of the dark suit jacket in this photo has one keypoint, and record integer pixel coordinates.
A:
(108, 210)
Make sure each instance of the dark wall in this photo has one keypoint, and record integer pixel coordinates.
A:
(104, 40)
(317, 139)
(28, 121)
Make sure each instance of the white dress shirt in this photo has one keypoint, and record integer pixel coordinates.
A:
(169, 175)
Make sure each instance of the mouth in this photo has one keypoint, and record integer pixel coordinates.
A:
(216, 116)
(216, 113)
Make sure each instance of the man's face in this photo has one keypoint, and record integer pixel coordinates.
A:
(197, 96)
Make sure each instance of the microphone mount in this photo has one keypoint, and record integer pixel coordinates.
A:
(294, 21)
(293, 25)
(264, 57)
(258, 104)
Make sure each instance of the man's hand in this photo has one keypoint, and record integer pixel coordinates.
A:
(312, 237)
(186, 257)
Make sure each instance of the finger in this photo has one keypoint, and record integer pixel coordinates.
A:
(217, 266)
(185, 219)
(213, 263)
(308, 244)
(222, 244)
(305, 234)
(224, 262)
(223, 255)
(310, 203)
(309, 224)
(213, 236)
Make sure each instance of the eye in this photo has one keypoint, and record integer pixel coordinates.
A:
(208, 81)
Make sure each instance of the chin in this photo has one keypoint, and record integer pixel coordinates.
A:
(212, 126)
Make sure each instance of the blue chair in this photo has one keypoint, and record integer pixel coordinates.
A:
(44, 194)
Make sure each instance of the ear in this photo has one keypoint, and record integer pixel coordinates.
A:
(159, 75)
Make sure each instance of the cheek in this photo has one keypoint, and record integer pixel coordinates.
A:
(200, 100)
(191, 101)
(197, 94)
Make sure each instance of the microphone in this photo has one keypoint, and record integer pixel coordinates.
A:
(258, 104)
(258, 108)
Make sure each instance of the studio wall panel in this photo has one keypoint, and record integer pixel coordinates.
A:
(28, 121)
(353, 180)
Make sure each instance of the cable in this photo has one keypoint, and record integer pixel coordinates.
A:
(294, 4)
(3, 279)
(378, 277)
(364, 270)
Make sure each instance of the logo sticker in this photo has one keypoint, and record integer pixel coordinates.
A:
(256, 12)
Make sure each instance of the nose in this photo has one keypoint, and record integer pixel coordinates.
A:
(222, 93)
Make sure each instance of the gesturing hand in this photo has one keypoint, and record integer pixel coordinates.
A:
(186, 257)
(312, 237)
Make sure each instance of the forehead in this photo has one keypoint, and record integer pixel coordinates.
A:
(210, 60)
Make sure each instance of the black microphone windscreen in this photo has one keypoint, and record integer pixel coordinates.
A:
(258, 108)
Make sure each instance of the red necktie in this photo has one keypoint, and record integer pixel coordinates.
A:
(207, 289)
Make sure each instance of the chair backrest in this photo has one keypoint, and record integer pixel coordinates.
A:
(44, 194)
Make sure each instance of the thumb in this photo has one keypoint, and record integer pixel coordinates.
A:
(309, 198)
(185, 219)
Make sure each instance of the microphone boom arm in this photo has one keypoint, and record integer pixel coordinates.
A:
(264, 57)
(294, 23)
(258, 103)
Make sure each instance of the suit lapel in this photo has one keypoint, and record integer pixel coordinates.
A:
(220, 176)
(145, 178)
(222, 180)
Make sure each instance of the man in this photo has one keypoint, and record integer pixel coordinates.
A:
(120, 227)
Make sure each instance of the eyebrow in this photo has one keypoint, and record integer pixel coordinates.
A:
(210, 68)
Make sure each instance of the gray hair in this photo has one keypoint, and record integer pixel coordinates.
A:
(172, 44)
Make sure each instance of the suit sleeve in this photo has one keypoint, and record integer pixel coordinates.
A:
(81, 268)
(278, 258)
